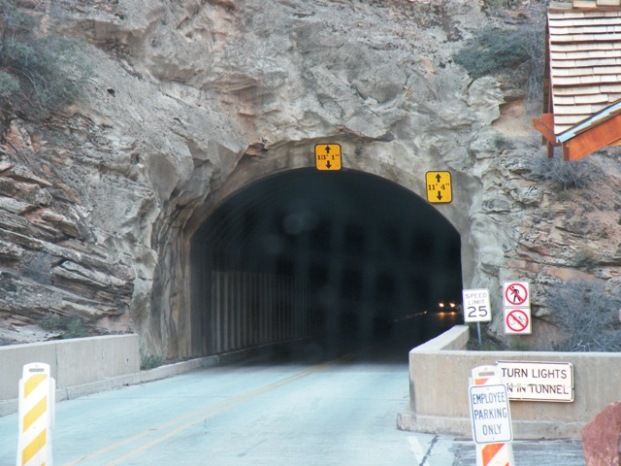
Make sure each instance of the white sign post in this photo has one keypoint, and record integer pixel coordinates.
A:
(37, 391)
(490, 414)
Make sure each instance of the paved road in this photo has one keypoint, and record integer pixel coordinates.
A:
(526, 453)
(340, 413)
(337, 413)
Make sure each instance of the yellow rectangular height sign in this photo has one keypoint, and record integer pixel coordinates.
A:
(439, 190)
(328, 157)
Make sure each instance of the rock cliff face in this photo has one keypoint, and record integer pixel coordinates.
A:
(97, 203)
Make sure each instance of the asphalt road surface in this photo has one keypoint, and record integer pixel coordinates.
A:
(338, 413)
(341, 412)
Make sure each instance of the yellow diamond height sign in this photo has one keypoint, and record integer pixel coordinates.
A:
(328, 157)
(439, 190)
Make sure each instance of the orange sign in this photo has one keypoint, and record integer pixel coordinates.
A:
(328, 157)
(439, 190)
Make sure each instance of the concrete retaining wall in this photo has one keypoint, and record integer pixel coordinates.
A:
(73, 363)
(83, 366)
(439, 373)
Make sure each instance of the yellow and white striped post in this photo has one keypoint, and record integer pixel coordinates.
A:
(496, 453)
(37, 392)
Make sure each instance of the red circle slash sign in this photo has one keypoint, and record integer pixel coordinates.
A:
(517, 320)
(516, 294)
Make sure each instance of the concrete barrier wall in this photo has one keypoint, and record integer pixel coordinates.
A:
(439, 373)
(75, 362)
(83, 366)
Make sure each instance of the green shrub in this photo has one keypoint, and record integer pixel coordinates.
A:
(518, 51)
(75, 329)
(563, 175)
(9, 84)
(151, 361)
(494, 5)
(66, 326)
(587, 314)
(52, 322)
(38, 74)
(585, 258)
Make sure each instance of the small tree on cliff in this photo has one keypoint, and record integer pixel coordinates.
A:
(515, 51)
(39, 73)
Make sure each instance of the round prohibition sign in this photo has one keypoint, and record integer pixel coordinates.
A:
(517, 320)
(516, 294)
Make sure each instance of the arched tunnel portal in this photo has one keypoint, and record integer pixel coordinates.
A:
(342, 259)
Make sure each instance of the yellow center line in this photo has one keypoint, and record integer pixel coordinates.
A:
(194, 418)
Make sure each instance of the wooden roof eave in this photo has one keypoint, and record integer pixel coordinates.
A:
(545, 125)
(601, 134)
(582, 139)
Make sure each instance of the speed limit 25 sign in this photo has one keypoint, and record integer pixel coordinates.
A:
(476, 305)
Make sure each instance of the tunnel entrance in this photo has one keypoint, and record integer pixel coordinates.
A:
(343, 259)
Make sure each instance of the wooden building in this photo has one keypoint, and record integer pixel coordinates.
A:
(582, 86)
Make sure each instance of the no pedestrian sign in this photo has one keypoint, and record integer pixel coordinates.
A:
(516, 294)
(516, 300)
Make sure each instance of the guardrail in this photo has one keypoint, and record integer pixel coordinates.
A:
(440, 369)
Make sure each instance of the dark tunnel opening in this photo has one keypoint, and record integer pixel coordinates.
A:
(333, 260)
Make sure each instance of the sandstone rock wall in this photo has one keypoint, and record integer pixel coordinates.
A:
(187, 98)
